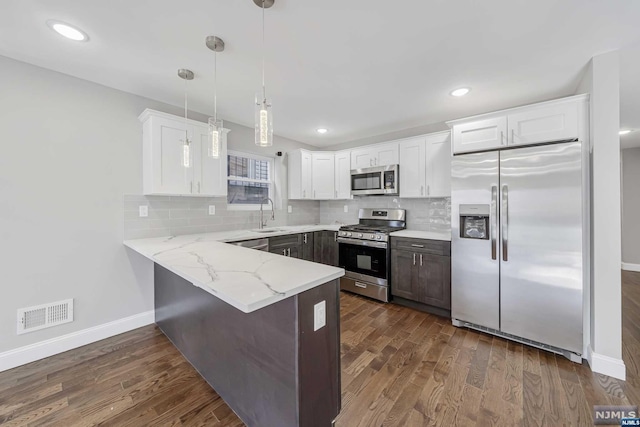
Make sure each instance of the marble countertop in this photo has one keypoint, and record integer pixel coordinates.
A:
(247, 279)
(417, 234)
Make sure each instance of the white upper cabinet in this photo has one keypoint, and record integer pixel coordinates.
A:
(164, 171)
(343, 175)
(425, 166)
(299, 162)
(545, 124)
(375, 155)
(559, 120)
(413, 163)
(480, 135)
(438, 152)
(209, 174)
(323, 175)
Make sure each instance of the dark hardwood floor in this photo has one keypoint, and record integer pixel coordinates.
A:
(400, 368)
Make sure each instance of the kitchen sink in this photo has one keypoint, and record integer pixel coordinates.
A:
(266, 230)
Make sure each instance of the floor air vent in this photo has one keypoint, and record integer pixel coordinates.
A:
(44, 316)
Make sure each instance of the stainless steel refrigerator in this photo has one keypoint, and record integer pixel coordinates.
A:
(519, 222)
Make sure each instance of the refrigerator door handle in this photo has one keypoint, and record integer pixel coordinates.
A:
(505, 222)
(494, 221)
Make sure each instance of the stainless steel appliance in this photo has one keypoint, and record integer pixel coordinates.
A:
(377, 180)
(519, 236)
(364, 251)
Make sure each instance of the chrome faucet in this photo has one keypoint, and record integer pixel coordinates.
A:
(263, 222)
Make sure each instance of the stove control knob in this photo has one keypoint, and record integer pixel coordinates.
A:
(379, 237)
(359, 234)
(349, 234)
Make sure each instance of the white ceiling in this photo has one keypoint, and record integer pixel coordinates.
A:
(357, 67)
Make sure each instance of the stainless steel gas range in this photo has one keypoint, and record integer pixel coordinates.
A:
(365, 254)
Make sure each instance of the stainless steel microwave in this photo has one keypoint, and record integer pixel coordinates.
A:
(377, 180)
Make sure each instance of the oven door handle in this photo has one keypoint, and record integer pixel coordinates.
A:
(368, 243)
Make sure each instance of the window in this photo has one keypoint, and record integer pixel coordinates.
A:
(249, 179)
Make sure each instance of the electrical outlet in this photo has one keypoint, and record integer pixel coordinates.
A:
(319, 315)
(346, 208)
(212, 209)
(289, 209)
(143, 211)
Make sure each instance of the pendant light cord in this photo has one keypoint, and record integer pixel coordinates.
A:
(215, 86)
(264, 93)
(186, 132)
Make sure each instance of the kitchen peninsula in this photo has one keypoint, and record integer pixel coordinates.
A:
(245, 320)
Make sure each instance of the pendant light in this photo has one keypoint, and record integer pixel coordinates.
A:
(215, 126)
(263, 112)
(185, 75)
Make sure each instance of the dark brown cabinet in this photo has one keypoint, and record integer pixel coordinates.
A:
(421, 271)
(289, 245)
(308, 247)
(325, 245)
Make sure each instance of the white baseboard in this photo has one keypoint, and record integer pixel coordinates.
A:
(606, 365)
(630, 267)
(30, 353)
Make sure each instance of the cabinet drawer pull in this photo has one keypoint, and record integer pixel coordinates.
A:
(305, 238)
(288, 252)
(284, 252)
(420, 260)
(414, 259)
(361, 285)
(413, 245)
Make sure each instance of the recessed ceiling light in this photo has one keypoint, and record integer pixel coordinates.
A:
(624, 132)
(322, 131)
(460, 92)
(68, 31)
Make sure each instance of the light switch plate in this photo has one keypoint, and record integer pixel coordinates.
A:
(212, 209)
(289, 209)
(346, 208)
(319, 315)
(143, 211)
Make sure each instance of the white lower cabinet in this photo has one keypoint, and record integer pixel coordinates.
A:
(425, 166)
(165, 171)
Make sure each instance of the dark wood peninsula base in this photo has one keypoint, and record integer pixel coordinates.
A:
(269, 365)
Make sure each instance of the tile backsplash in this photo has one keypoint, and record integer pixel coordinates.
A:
(170, 216)
(422, 214)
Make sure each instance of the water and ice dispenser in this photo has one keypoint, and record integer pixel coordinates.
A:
(474, 222)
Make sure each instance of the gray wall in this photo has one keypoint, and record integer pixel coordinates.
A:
(72, 149)
(631, 206)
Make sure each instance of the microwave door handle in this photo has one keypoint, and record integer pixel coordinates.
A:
(494, 221)
(505, 222)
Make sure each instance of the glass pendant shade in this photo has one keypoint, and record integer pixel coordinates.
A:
(186, 153)
(215, 134)
(263, 121)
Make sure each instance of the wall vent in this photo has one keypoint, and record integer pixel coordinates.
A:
(44, 316)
